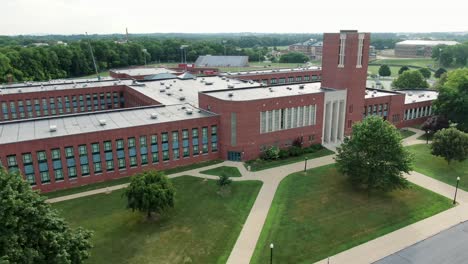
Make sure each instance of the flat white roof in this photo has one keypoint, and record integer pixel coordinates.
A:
(371, 93)
(142, 71)
(416, 96)
(234, 74)
(427, 42)
(169, 92)
(62, 86)
(34, 129)
(55, 82)
(268, 92)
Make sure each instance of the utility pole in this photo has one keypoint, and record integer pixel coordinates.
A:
(92, 56)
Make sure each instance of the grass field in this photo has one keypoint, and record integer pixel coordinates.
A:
(318, 215)
(119, 181)
(202, 228)
(437, 167)
(228, 170)
(259, 164)
(374, 70)
(406, 133)
(420, 62)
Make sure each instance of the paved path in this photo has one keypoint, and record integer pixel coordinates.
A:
(364, 253)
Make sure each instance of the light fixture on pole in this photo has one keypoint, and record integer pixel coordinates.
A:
(271, 253)
(456, 189)
(305, 164)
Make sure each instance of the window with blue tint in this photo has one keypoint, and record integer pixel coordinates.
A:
(131, 148)
(96, 157)
(43, 167)
(120, 154)
(143, 150)
(28, 169)
(214, 146)
(84, 160)
(71, 162)
(165, 146)
(205, 135)
(154, 148)
(57, 164)
(109, 155)
(185, 143)
(195, 141)
(132, 152)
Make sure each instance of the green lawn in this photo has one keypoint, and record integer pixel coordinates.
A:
(259, 164)
(119, 181)
(420, 62)
(406, 133)
(319, 215)
(228, 170)
(202, 228)
(437, 167)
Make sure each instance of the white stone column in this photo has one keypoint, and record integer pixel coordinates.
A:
(341, 120)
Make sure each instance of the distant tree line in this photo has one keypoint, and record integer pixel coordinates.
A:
(456, 55)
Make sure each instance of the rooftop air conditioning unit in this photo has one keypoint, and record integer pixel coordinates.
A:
(188, 111)
(102, 122)
(52, 128)
(208, 83)
(162, 90)
(154, 116)
(410, 94)
(168, 87)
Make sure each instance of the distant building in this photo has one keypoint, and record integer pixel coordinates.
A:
(312, 48)
(372, 53)
(418, 48)
(222, 61)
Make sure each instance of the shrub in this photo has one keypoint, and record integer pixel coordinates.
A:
(271, 153)
(295, 151)
(283, 154)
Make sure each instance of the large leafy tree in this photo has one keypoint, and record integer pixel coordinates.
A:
(451, 144)
(403, 69)
(385, 71)
(426, 73)
(31, 231)
(412, 79)
(373, 157)
(439, 72)
(452, 101)
(150, 192)
(294, 57)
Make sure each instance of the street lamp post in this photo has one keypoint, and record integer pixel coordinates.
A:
(271, 253)
(305, 164)
(456, 189)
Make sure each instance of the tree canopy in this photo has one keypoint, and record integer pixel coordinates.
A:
(373, 156)
(439, 72)
(452, 101)
(451, 55)
(294, 57)
(426, 73)
(403, 69)
(384, 70)
(451, 144)
(150, 192)
(411, 79)
(31, 231)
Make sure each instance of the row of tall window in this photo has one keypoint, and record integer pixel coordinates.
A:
(342, 48)
(418, 112)
(292, 79)
(287, 118)
(98, 157)
(37, 107)
(377, 109)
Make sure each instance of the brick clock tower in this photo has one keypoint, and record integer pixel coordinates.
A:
(344, 66)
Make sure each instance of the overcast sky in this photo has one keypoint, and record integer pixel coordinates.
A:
(211, 16)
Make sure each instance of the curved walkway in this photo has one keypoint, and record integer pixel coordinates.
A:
(364, 253)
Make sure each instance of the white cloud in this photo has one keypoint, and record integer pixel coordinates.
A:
(145, 16)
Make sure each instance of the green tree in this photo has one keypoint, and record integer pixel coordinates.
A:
(410, 80)
(403, 69)
(439, 72)
(31, 231)
(150, 192)
(373, 157)
(426, 73)
(451, 144)
(446, 57)
(452, 101)
(224, 180)
(384, 70)
(294, 57)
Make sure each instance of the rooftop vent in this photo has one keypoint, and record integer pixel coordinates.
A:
(183, 107)
(301, 86)
(52, 128)
(174, 80)
(414, 101)
(410, 94)
(19, 90)
(102, 122)
(162, 90)
(168, 87)
(230, 86)
(154, 116)
(182, 98)
(168, 93)
(180, 89)
(208, 83)
(230, 94)
(162, 83)
(189, 111)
